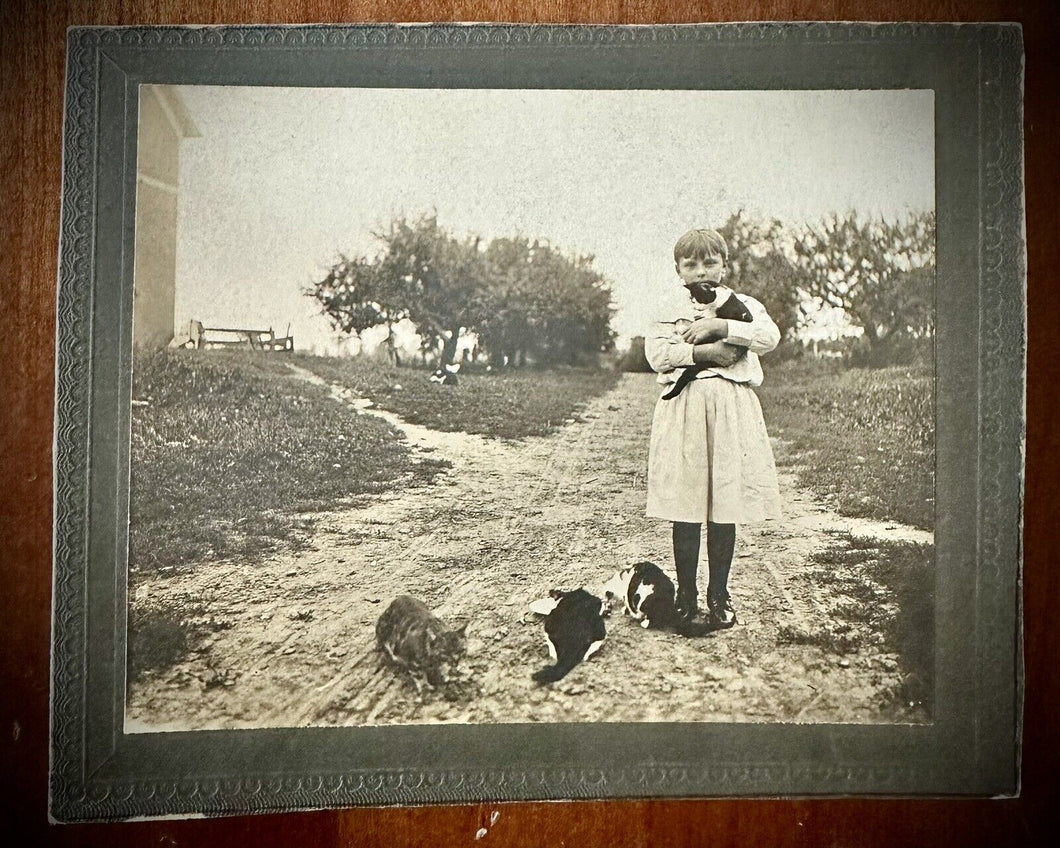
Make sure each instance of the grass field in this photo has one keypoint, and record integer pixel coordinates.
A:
(228, 449)
(888, 592)
(512, 404)
(863, 439)
(227, 452)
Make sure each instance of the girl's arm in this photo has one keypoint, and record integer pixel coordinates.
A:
(664, 348)
(666, 351)
(759, 335)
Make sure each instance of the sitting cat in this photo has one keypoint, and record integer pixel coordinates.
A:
(574, 630)
(412, 638)
(445, 375)
(734, 309)
(649, 597)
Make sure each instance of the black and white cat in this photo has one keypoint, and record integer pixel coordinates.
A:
(411, 637)
(734, 309)
(648, 595)
(445, 375)
(574, 630)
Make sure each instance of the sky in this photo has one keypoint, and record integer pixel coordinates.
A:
(283, 179)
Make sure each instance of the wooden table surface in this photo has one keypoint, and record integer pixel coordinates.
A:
(32, 41)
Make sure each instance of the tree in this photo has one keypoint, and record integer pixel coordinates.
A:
(573, 306)
(439, 277)
(421, 273)
(356, 297)
(880, 274)
(760, 264)
(542, 302)
(520, 297)
(507, 307)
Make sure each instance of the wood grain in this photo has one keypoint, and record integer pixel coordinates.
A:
(31, 77)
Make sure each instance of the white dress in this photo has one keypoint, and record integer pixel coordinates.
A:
(710, 457)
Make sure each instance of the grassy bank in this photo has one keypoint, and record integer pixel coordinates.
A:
(228, 449)
(861, 438)
(511, 404)
(886, 594)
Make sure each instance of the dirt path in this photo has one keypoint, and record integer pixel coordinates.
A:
(293, 641)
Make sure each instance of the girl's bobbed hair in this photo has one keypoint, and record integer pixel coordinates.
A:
(701, 243)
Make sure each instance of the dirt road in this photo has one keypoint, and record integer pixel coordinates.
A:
(293, 640)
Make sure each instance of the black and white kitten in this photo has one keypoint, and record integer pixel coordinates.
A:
(574, 630)
(411, 637)
(445, 375)
(734, 309)
(648, 595)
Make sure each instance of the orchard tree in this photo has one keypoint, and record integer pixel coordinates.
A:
(440, 279)
(520, 297)
(356, 297)
(542, 302)
(880, 274)
(572, 305)
(760, 264)
(421, 273)
(506, 308)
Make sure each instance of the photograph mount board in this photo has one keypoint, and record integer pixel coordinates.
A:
(100, 771)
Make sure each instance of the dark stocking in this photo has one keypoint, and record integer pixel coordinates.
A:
(686, 560)
(721, 543)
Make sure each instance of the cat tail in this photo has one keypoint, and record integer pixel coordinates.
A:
(552, 673)
(687, 375)
(683, 379)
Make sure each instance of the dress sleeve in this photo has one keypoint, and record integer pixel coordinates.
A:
(664, 348)
(759, 335)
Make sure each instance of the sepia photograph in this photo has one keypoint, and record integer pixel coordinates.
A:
(510, 406)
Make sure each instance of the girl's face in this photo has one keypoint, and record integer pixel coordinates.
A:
(700, 274)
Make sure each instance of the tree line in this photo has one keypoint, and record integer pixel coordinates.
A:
(526, 300)
(523, 299)
(880, 274)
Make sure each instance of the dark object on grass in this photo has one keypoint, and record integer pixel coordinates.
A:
(574, 631)
(446, 375)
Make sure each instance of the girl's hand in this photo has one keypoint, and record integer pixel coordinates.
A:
(718, 354)
(706, 330)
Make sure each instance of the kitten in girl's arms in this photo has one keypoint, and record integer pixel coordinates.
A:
(649, 596)
(733, 309)
(409, 636)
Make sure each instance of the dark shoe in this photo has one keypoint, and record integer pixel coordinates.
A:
(687, 607)
(722, 615)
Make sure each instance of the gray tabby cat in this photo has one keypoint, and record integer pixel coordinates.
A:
(410, 637)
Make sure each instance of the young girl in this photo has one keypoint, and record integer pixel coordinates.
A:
(710, 458)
